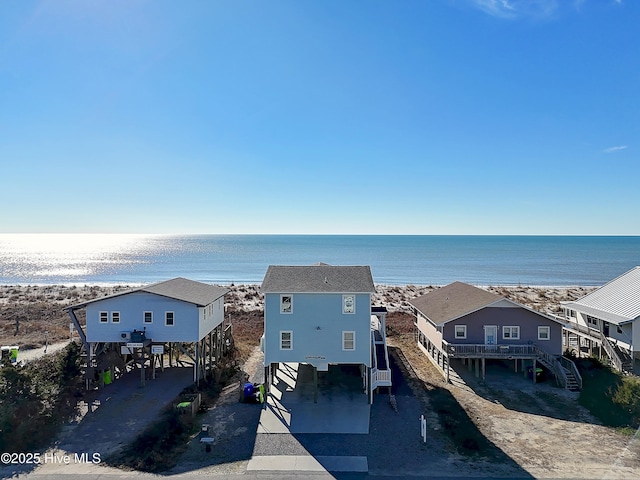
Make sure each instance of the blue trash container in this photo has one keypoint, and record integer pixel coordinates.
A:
(248, 391)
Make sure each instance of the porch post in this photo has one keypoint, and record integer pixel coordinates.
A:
(448, 361)
(483, 368)
(196, 363)
(142, 373)
(315, 384)
(533, 373)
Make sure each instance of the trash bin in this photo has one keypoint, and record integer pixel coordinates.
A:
(539, 373)
(248, 392)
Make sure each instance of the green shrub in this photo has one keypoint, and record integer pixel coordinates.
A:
(610, 397)
(627, 397)
(37, 398)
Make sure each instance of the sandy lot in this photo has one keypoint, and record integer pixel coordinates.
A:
(538, 429)
(541, 427)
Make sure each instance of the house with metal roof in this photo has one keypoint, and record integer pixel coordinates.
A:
(460, 321)
(141, 325)
(609, 318)
(321, 315)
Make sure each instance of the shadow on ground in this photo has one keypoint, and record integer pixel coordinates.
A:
(517, 392)
(460, 432)
(393, 445)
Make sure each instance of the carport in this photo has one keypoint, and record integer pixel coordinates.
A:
(342, 405)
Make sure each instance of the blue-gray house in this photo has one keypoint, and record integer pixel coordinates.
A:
(140, 324)
(460, 321)
(321, 315)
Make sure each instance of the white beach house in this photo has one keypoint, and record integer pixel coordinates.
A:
(608, 318)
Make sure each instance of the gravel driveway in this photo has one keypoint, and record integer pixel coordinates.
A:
(393, 446)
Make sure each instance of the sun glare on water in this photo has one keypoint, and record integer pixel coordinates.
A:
(40, 257)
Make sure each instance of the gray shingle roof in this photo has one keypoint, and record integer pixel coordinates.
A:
(453, 301)
(618, 301)
(198, 293)
(320, 278)
(183, 289)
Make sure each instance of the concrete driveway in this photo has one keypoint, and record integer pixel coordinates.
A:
(342, 406)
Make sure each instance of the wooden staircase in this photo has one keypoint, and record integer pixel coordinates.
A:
(625, 359)
(563, 369)
(572, 382)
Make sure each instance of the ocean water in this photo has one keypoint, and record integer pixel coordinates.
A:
(395, 260)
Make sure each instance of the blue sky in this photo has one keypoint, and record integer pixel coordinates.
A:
(333, 116)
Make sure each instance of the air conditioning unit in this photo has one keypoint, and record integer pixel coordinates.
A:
(125, 336)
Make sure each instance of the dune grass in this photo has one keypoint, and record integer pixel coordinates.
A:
(612, 398)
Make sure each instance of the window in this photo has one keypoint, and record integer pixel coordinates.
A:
(544, 333)
(115, 317)
(348, 304)
(148, 317)
(104, 317)
(511, 333)
(286, 340)
(169, 319)
(461, 331)
(348, 341)
(286, 304)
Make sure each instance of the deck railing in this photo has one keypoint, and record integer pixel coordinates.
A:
(576, 327)
(512, 352)
(615, 360)
(454, 350)
(380, 377)
(569, 365)
(598, 336)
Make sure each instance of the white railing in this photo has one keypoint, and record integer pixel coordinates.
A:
(597, 335)
(380, 378)
(615, 360)
(576, 327)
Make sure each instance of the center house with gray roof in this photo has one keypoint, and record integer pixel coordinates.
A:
(321, 315)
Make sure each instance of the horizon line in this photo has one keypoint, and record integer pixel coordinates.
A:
(183, 234)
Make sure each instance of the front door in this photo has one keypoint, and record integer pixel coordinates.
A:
(490, 334)
(605, 328)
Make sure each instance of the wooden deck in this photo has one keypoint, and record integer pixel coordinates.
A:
(563, 369)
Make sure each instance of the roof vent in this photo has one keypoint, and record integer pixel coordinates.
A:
(325, 280)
